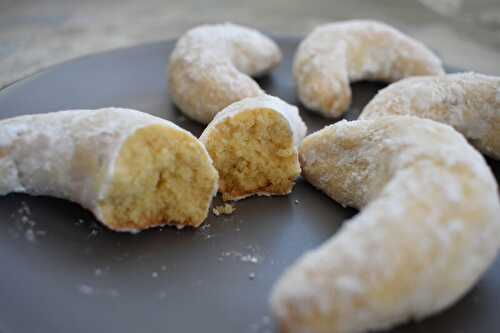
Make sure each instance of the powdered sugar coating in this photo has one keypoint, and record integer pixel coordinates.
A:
(338, 53)
(467, 101)
(69, 154)
(211, 66)
(429, 226)
(289, 112)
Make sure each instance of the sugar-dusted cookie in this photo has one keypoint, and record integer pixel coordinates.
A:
(211, 67)
(335, 54)
(132, 170)
(429, 226)
(254, 146)
(467, 101)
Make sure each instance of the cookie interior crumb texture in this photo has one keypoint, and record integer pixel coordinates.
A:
(254, 154)
(225, 209)
(153, 181)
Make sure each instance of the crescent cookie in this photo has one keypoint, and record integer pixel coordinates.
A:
(211, 66)
(254, 146)
(132, 170)
(467, 101)
(428, 229)
(338, 53)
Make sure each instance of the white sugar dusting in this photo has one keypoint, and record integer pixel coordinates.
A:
(30, 236)
(205, 231)
(251, 257)
(25, 209)
(23, 225)
(79, 222)
(263, 325)
(349, 284)
(88, 290)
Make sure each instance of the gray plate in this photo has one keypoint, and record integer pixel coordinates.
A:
(63, 272)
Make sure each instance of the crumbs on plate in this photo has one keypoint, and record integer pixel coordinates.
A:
(225, 209)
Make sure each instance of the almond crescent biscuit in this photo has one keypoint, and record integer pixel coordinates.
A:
(132, 170)
(211, 67)
(429, 226)
(335, 54)
(254, 146)
(469, 102)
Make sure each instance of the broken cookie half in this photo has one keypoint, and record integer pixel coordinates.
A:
(132, 170)
(253, 144)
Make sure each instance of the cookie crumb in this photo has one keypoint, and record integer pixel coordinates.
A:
(30, 236)
(225, 209)
(85, 289)
(250, 258)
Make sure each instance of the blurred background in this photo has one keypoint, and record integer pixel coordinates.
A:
(35, 34)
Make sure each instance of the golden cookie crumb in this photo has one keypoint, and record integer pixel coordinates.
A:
(225, 209)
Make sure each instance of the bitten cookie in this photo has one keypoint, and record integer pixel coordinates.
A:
(254, 146)
(211, 66)
(132, 170)
(429, 226)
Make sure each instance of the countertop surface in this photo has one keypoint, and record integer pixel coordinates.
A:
(35, 34)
